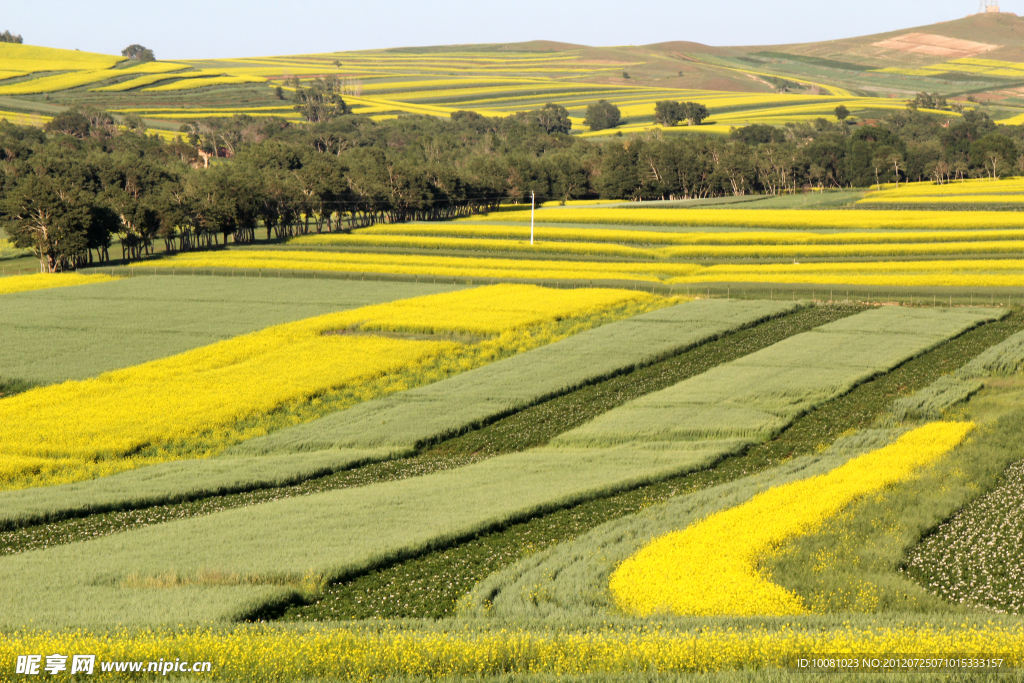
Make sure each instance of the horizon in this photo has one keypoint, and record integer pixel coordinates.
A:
(594, 25)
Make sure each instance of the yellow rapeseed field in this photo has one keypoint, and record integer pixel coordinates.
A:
(427, 266)
(711, 568)
(192, 83)
(690, 237)
(975, 191)
(926, 273)
(263, 653)
(944, 273)
(80, 423)
(27, 283)
(681, 252)
(778, 219)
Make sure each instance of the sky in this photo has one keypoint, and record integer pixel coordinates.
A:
(197, 29)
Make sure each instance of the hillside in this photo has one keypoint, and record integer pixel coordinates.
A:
(981, 56)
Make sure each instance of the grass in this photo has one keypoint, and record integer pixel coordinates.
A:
(442, 578)
(755, 396)
(52, 336)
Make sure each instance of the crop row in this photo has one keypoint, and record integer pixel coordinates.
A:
(431, 585)
(583, 566)
(974, 187)
(28, 283)
(779, 220)
(118, 324)
(261, 654)
(644, 238)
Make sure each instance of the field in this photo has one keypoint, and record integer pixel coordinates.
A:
(720, 436)
(737, 88)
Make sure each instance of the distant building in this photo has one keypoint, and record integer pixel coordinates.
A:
(988, 6)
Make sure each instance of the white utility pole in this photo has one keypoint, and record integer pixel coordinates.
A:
(533, 208)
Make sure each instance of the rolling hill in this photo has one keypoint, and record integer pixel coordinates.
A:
(981, 57)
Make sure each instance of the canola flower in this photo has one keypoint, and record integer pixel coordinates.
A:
(193, 83)
(947, 199)
(932, 273)
(261, 653)
(783, 219)
(711, 568)
(427, 266)
(27, 283)
(925, 273)
(667, 238)
(79, 424)
(680, 252)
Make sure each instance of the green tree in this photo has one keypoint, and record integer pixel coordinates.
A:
(602, 115)
(50, 218)
(70, 122)
(554, 118)
(8, 37)
(138, 53)
(694, 113)
(842, 113)
(668, 113)
(321, 101)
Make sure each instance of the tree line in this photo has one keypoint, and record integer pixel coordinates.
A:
(69, 190)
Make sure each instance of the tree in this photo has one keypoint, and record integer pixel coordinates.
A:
(50, 218)
(71, 122)
(554, 118)
(694, 113)
(134, 123)
(602, 115)
(138, 53)
(668, 113)
(320, 102)
(8, 37)
(842, 113)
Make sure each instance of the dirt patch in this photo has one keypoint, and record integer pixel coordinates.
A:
(935, 45)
